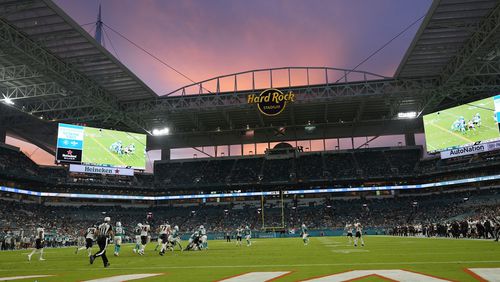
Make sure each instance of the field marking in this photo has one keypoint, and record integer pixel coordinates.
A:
(122, 278)
(390, 275)
(273, 265)
(484, 274)
(22, 277)
(256, 276)
(350, 251)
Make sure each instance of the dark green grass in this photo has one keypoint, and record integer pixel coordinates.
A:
(325, 255)
(96, 144)
(438, 133)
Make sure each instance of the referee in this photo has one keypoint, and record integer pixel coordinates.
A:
(104, 233)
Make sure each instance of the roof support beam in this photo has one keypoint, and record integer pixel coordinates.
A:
(455, 71)
(40, 58)
(14, 73)
(32, 91)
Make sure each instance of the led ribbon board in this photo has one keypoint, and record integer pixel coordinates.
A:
(248, 194)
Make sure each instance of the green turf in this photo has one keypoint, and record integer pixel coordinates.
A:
(438, 133)
(96, 148)
(324, 255)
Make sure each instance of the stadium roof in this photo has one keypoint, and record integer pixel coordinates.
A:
(52, 69)
(48, 26)
(448, 25)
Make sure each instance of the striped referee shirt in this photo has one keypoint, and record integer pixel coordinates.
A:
(104, 229)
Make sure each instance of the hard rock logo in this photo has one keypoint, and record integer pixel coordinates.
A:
(271, 102)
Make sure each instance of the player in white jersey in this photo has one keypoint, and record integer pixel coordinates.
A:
(305, 234)
(359, 234)
(39, 243)
(89, 240)
(144, 237)
(239, 235)
(248, 235)
(104, 233)
(163, 233)
(203, 237)
(138, 230)
(119, 234)
(348, 230)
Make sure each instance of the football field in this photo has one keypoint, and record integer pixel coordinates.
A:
(280, 259)
(97, 148)
(439, 134)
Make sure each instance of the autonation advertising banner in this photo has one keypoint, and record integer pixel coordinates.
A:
(470, 150)
(101, 170)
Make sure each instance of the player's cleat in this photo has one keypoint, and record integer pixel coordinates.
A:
(162, 253)
(76, 251)
(29, 257)
(135, 251)
(355, 245)
(362, 245)
(41, 259)
(107, 264)
(116, 254)
(92, 258)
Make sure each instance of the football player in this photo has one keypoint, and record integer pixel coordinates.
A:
(144, 237)
(138, 231)
(89, 240)
(239, 232)
(119, 234)
(203, 237)
(175, 238)
(164, 232)
(39, 243)
(348, 229)
(248, 235)
(359, 234)
(304, 234)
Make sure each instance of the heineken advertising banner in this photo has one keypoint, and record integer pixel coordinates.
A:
(101, 170)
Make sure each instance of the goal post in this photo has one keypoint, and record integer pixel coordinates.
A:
(267, 212)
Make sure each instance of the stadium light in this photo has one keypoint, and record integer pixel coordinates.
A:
(407, 114)
(8, 101)
(161, 132)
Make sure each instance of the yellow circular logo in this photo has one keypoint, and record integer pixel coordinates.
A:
(271, 102)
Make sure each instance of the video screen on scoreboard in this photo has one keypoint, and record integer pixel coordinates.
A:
(96, 146)
(463, 125)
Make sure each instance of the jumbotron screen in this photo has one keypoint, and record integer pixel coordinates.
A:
(96, 146)
(463, 125)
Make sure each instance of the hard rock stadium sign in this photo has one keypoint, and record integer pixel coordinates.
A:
(271, 102)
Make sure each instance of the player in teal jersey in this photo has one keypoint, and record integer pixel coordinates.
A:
(304, 233)
(203, 237)
(175, 238)
(119, 234)
(248, 235)
(137, 238)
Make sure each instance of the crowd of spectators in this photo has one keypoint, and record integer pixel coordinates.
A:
(316, 168)
(427, 215)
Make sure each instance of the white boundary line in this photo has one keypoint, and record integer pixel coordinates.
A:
(271, 265)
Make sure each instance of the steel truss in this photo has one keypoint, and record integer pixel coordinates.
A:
(42, 60)
(32, 91)
(464, 72)
(19, 72)
(319, 93)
